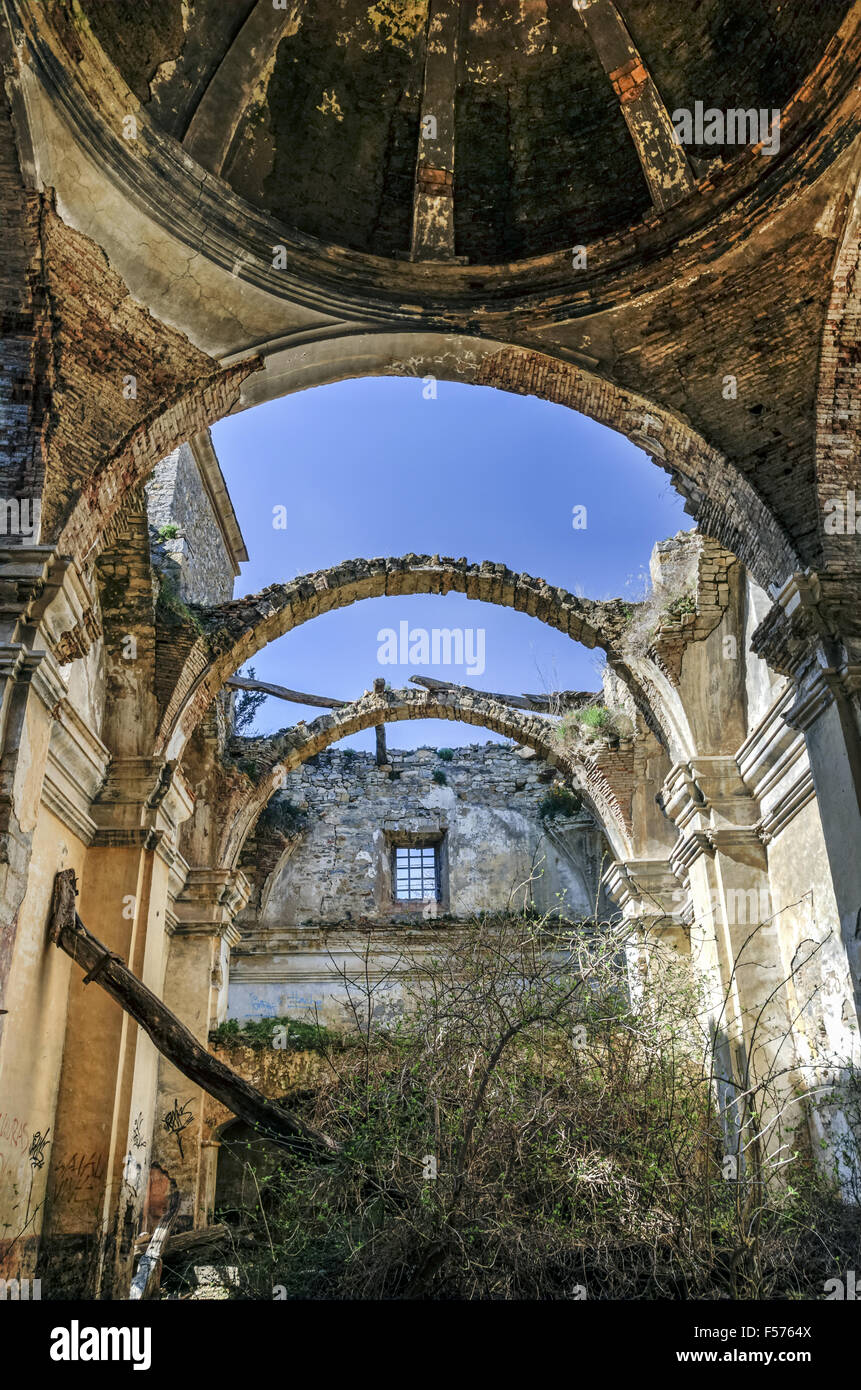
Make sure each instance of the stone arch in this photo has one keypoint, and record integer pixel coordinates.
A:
(346, 298)
(719, 496)
(234, 631)
(603, 777)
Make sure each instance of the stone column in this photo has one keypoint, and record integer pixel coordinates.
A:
(103, 1137)
(650, 896)
(720, 853)
(51, 765)
(202, 934)
(813, 635)
(30, 579)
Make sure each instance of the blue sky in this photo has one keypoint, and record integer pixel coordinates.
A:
(371, 467)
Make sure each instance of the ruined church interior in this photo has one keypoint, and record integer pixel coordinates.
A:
(344, 955)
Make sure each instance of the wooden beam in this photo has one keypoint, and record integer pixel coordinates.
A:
(433, 195)
(188, 1244)
(558, 701)
(665, 164)
(380, 729)
(281, 692)
(173, 1040)
(148, 1274)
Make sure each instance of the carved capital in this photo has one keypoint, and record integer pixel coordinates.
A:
(813, 627)
(646, 888)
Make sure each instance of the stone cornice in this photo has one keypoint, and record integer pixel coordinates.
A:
(821, 687)
(142, 803)
(30, 578)
(786, 808)
(771, 749)
(713, 809)
(646, 888)
(210, 901)
(814, 624)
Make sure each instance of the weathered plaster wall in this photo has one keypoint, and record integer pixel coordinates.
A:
(488, 809)
(32, 1053)
(331, 890)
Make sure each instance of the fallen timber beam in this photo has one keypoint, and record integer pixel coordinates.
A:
(187, 1244)
(557, 702)
(148, 1276)
(296, 697)
(173, 1040)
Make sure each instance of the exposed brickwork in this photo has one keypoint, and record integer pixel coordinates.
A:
(25, 325)
(103, 441)
(747, 53)
(838, 406)
(537, 126)
(628, 81)
(185, 413)
(127, 593)
(710, 599)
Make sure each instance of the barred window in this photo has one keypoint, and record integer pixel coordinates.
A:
(415, 872)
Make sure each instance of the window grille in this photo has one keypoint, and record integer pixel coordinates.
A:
(416, 873)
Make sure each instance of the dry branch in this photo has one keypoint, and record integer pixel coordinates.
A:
(296, 697)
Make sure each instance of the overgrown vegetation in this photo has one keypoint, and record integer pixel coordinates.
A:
(445, 754)
(529, 1130)
(439, 777)
(281, 815)
(559, 801)
(293, 1035)
(660, 608)
(172, 609)
(246, 704)
(591, 721)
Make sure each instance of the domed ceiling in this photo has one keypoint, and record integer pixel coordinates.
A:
(312, 111)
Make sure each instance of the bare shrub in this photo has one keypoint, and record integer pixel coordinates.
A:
(533, 1128)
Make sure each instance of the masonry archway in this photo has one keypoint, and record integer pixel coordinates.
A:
(604, 778)
(719, 496)
(235, 631)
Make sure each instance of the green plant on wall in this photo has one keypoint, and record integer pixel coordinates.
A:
(282, 816)
(560, 801)
(172, 609)
(591, 720)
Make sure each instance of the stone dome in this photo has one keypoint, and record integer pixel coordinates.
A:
(312, 110)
